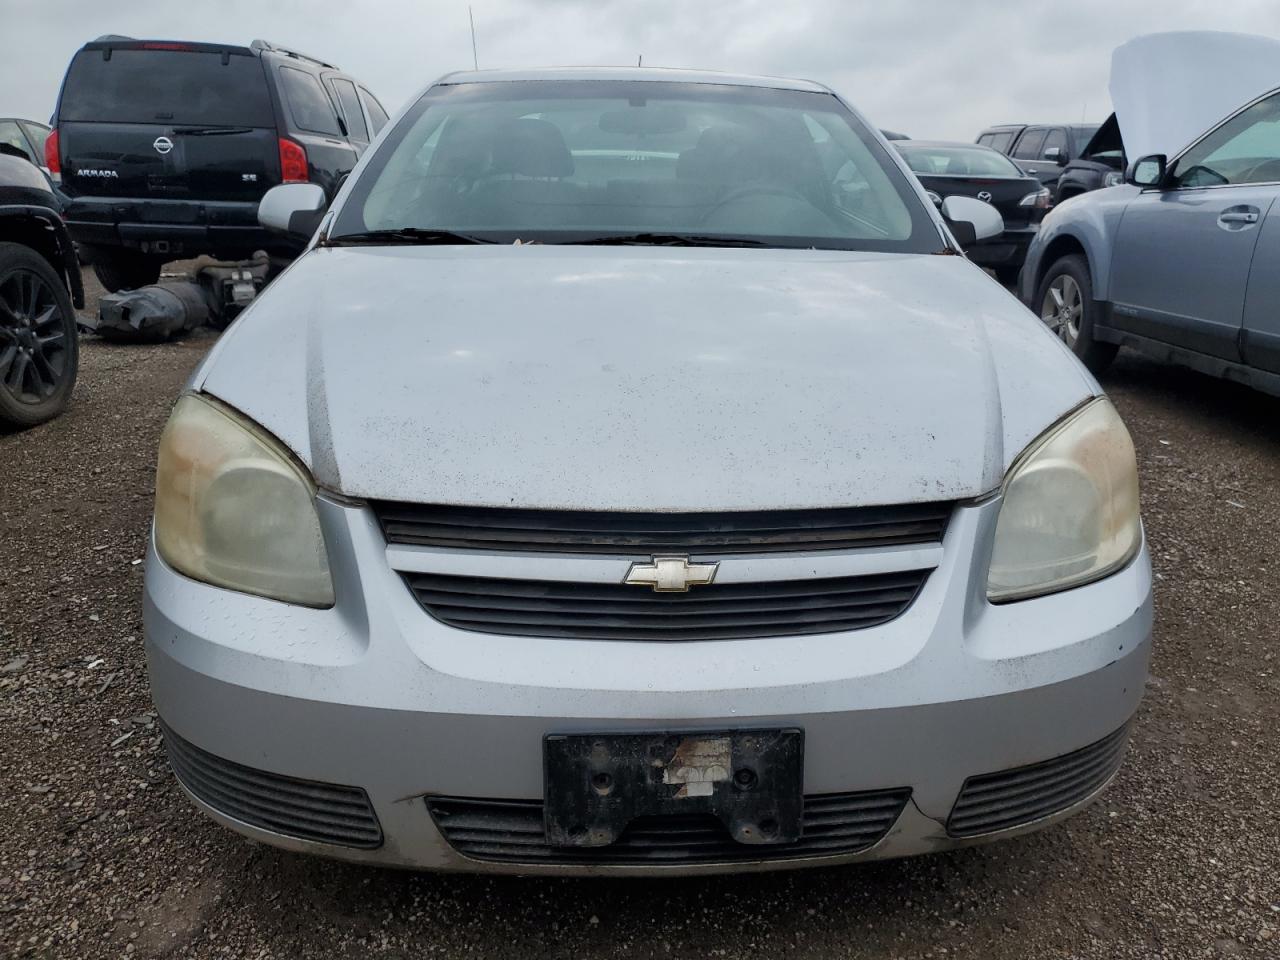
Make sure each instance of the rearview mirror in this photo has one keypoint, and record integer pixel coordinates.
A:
(1148, 171)
(972, 220)
(295, 209)
(644, 120)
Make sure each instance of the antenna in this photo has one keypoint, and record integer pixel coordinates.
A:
(640, 60)
(475, 60)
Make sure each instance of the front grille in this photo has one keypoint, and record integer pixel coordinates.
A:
(615, 611)
(305, 809)
(511, 831)
(586, 531)
(1011, 798)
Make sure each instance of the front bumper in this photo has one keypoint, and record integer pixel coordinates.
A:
(375, 695)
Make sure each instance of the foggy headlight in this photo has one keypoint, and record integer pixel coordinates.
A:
(1069, 511)
(235, 510)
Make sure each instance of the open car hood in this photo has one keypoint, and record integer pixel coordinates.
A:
(1169, 88)
(1105, 139)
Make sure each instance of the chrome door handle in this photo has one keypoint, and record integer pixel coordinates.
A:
(1238, 216)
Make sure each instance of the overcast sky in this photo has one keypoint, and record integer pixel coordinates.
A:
(930, 68)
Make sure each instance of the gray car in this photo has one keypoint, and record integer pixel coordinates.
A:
(1183, 262)
(634, 477)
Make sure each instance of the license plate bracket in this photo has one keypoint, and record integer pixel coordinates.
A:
(751, 780)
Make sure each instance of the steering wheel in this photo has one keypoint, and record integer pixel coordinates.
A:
(1255, 174)
(757, 190)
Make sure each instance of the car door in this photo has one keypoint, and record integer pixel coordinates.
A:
(1183, 253)
(315, 125)
(344, 92)
(1028, 153)
(1260, 337)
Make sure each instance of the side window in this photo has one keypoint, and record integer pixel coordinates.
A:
(1028, 147)
(11, 135)
(309, 105)
(37, 135)
(987, 139)
(1001, 141)
(1057, 137)
(1245, 149)
(350, 103)
(377, 116)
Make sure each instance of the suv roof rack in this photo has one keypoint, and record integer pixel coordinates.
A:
(266, 46)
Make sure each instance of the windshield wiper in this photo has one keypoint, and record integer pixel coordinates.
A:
(407, 236)
(670, 240)
(210, 131)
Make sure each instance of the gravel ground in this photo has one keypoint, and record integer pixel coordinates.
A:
(101, 855)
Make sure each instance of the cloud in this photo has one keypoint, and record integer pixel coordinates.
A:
(931, 68)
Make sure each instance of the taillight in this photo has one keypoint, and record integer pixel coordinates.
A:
(293, 162)
(1041, 199)
(51, 158)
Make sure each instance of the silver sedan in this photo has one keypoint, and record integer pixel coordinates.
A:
(634, 477)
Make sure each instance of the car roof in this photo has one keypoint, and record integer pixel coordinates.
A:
(650, 74)
(1069, 126)
(946, 143)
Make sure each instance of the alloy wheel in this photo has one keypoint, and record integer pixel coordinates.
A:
(33, 338)
(1063, 308)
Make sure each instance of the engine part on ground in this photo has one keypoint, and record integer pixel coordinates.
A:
(232, 284)
(210, 291)
(153, 313)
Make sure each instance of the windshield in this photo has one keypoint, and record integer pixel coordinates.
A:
(168, 86)
(958, 161)
(587, 160)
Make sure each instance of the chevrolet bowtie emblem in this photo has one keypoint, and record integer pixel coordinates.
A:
(671, 574)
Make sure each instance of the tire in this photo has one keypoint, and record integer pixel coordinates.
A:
(1008, 276)
(39, 346)
(125, 271)
(1065, 303)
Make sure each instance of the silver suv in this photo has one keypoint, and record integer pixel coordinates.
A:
(634, 477)
(1183, 262)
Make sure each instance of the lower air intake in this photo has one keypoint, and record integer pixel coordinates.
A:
(511, 831)
(1012, 798)
(304, 809)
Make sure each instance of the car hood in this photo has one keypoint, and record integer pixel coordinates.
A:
(644, 378)
(1169, 88)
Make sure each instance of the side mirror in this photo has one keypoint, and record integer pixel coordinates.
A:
(295, 209)
(972, 220)
(1149, 171)
(1057, 155)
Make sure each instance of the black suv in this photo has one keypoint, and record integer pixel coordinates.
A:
(1100, 164)
(1041, 149)
(165, 148)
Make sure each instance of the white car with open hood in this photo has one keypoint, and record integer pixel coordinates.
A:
(635, 477)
